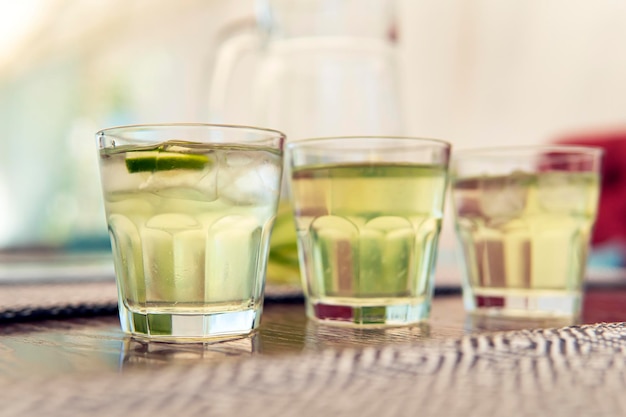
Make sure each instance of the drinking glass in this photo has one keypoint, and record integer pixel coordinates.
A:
(368, 213)
(524, 217)
(190, 209)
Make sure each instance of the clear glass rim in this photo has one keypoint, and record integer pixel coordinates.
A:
(310, 142)
(530, 150)
(111, 131)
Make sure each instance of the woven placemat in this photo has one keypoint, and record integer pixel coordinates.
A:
(56, 300)
(38, 301)
(574, 371)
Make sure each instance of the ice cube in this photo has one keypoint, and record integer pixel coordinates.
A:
(504, 198)
(562, 192)
(466, 196)
(115, 176)
(245, 178)
(187, 184)
(238, 158)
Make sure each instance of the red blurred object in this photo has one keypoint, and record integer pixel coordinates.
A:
(611, 222)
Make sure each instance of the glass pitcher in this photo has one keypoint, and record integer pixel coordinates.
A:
(309, 68)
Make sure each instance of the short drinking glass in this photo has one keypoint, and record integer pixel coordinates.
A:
(524, 217)
(190, 208)
(368, 213)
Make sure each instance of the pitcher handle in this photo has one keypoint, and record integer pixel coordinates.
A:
(241, 39)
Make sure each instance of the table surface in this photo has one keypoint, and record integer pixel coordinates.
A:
(96, 344)
(88, 351)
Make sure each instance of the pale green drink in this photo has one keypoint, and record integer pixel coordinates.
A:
(189, 225)
(525, 240)
(367, 235)
(524, 217)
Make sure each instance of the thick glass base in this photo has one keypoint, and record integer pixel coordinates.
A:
(522, 303)
(358, 312)
(171, 326)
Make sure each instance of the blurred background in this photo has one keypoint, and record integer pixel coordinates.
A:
(473, 72)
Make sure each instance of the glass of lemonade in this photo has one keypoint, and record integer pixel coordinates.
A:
(368, 213)
(190, 209)
(524, 217)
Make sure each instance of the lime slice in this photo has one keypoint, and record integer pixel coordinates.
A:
(143, 161)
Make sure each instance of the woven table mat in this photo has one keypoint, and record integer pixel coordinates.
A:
(574, 371)
(24, 302)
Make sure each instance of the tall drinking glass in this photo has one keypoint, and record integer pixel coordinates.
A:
(524, 218)
(368, 212)
(190, 209)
